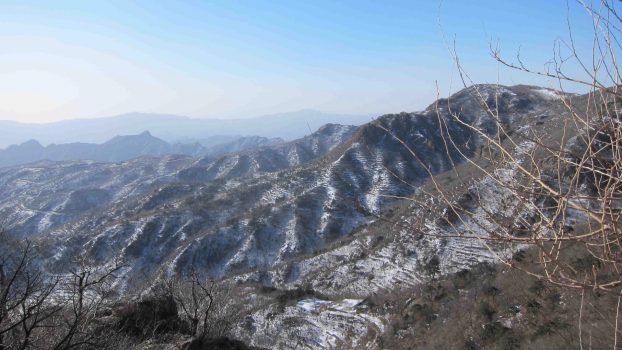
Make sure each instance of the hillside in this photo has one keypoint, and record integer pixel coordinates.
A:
(309, 230)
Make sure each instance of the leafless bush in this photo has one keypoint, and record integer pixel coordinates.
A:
(566, 186)
(209, 307)
(561, 186)
(80, 309)
(39, 310)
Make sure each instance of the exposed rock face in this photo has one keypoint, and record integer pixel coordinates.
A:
(302, 213)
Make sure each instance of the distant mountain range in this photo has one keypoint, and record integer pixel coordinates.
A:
(330, 220)
(260, 209)
(121, 148)
(172, 128)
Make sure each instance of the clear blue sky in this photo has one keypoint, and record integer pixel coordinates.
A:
(80, 59)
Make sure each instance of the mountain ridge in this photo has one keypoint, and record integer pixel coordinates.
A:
(123, 147)
(327, 196)
(340, 223)
(172, 128)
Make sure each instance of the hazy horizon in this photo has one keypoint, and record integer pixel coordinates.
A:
(212, 118)
(222, 60)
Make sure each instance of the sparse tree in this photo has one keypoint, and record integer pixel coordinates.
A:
(41, 310)
(566, 188)
(24, 296)
(433, 266)
(206, 305)
(86, 290)
(561, 188)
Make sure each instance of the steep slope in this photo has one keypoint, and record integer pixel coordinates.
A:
(44, 195)
(340, 292)
(268, 217)
(37, 197)
(268, 158)
(217, 217)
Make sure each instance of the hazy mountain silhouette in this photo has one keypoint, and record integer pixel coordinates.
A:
(172, 128)
(121, 148)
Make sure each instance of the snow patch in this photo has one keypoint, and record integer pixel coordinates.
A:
(548, 94)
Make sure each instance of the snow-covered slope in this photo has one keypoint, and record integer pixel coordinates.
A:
(249, 210)
(312, 212)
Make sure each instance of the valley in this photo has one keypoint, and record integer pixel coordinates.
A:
(345, 213)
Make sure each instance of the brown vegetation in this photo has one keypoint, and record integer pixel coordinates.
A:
(562, 188)
(79, 309)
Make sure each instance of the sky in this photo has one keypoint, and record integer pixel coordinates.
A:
(235, 59)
